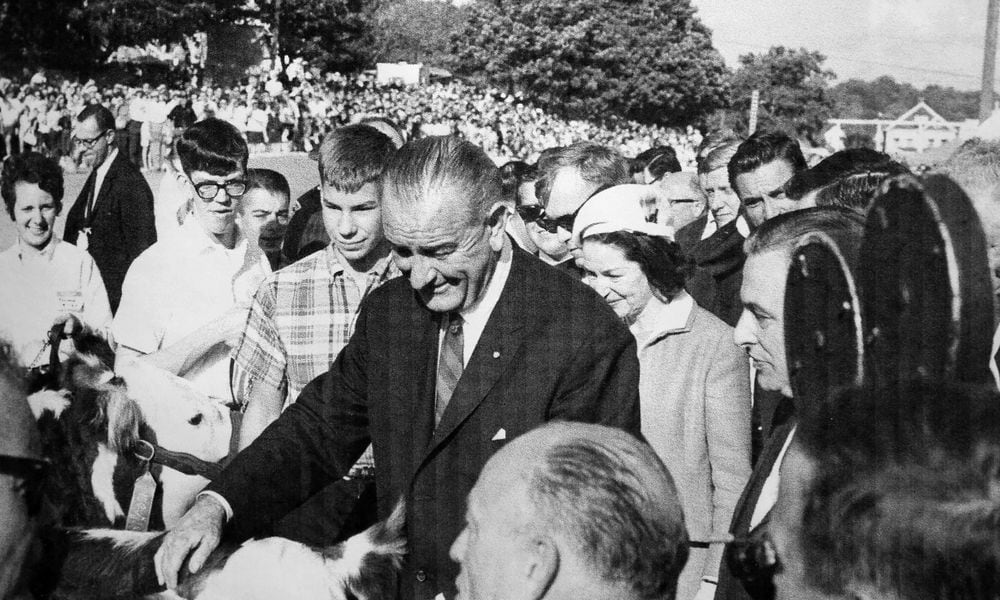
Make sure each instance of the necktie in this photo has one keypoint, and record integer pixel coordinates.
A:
(449, 368)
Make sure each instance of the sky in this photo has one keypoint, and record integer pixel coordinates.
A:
(916, 41)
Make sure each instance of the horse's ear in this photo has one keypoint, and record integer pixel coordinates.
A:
(124, 417)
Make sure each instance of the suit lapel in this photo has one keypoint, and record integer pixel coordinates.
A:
(492, 355)
(421, 363)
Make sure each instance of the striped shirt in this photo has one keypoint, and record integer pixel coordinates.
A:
(300, 319)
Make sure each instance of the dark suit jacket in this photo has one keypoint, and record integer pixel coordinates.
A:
(731, 588)
(551, 349)
(715, 284)
(122, 223)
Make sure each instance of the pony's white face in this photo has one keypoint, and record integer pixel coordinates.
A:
(183, 419)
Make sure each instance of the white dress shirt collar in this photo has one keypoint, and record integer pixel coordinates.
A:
(475, 317)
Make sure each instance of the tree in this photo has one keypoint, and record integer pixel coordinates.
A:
(794, 90)
(647, 60)
(886, 98)
(416, 31)
(332, 34)
(82, 33)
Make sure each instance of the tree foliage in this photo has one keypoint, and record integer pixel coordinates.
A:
(887, 98)
(416, 31)
(647, 60)
(794, 89)
(82, 33)
(332, 34)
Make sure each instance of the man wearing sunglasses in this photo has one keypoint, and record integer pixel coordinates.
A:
(185, 300)
(567, 177)
(112, 218)
(21, 470)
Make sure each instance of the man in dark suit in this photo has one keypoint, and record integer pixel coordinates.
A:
(476, 344)
(112, 219)
(761, 333)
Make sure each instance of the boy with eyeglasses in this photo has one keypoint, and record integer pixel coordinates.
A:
(112, 218)
(185, 300)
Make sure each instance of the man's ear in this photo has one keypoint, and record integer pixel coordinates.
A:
(497, 222)
(541, 567)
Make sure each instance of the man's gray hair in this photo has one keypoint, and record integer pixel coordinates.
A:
(612, 497)
(422, 169)
(598, 165)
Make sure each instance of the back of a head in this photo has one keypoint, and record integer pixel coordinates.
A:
(840, 165)
(611, 499)
(512, 174)
(662, 164)
(354, 155)
(421, 169)
(387, 127)
(213, 146)
(903, 495)
(762, 148)
(783, 232)
(597, 165)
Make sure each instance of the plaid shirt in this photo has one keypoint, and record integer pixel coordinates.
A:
(300, 319)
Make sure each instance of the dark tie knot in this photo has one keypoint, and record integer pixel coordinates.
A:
(454, 323)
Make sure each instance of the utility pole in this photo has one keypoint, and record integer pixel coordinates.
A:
(989, 61)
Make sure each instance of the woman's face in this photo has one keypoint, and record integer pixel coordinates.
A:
(264, 217)
(619, 281)
(34, 214)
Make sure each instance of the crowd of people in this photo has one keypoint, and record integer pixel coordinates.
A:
(423, 313)
(294, 114)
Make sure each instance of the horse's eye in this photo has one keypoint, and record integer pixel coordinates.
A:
(196, 420)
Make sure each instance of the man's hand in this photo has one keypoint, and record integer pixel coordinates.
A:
(197, 533)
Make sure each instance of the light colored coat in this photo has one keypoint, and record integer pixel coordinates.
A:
(694, 394)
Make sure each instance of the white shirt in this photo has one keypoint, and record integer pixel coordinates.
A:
(711, 226)
(180, 284)
(40, 286)
(769, 493)
(993, 352)
(474, 318)
(102, 173)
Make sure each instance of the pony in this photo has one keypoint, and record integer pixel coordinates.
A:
(118, 565)
(103, 430)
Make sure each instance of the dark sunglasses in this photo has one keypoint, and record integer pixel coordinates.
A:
(208, 190)
(31, 472)
(530, 213)
(754, 559)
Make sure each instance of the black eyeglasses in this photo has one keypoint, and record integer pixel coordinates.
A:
(208, 190)
(89, 142)
(31, 472)
(754, 559)
(553, 225)
(530, 213)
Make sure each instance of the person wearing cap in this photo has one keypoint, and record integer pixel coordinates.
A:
(21, 470)
(694, 386)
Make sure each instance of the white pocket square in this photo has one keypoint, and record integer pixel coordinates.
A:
(500, 435)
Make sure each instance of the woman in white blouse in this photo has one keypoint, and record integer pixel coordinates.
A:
(43, 280)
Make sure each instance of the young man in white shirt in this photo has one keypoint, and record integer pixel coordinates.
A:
(185, 299)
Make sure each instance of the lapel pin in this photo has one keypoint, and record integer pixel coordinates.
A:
(496, 354)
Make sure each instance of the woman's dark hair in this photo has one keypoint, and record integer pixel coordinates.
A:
(661, 259)
(31, 167)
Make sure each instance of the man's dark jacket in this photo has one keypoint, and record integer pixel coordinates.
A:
(718, 275)
(551, 350)
(121, 223)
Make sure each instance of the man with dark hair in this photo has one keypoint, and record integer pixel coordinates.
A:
(891, 495)
(570, 176)
(112, 218)
(848, 178)
(758, 172)
(570, 511)
(446, 364)
(185, 299)
(761, 333)
(303, 315)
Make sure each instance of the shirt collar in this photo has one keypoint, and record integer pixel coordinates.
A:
(202, 242)
(477, 314)
(27, 253)
(661, 318)
(102, 170)
(383, 269)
